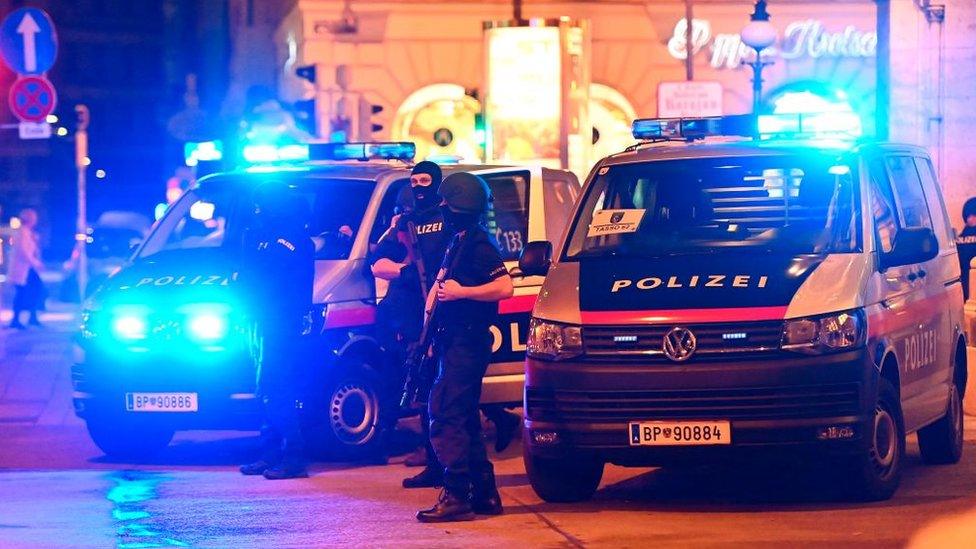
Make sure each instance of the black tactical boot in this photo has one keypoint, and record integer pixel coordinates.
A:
(430, 477)
(417, 458)
(449, 508)
(256, 468)
(485, 499)
(286, 470)
(506, 426)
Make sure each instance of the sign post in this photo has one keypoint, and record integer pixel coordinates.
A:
(29, 46)
(81, 163)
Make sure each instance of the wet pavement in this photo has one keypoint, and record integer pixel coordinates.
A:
(57, 490)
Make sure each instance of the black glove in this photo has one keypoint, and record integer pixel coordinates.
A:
(409, 275)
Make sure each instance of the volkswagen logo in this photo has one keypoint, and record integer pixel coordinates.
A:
(679, 344)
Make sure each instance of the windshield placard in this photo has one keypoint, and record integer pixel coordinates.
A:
(615, 222)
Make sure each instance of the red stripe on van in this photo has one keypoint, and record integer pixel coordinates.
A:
(681, 316)
(517, 304)
(349, 316)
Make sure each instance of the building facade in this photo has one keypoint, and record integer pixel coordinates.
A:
(423, 61)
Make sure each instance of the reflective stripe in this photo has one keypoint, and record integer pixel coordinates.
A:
(348, 317)
(679, 316)
(516, 304)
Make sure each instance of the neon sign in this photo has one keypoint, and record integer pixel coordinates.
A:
(805, 38)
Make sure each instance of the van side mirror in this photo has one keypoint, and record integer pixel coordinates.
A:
(536, 258)
(911, 246)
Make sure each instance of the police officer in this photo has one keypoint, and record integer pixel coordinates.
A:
(966, 242)
(400, 313)
(472, 281)
(277, 273)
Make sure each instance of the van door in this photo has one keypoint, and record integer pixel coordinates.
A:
(942, 280)
(912, 320)
(508, 221)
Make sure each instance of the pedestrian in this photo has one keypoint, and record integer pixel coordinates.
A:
(471, 282)
(966, 242)
(277, 274)
(24, 272)
(399, 316)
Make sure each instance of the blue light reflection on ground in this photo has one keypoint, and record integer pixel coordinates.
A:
(136, 527)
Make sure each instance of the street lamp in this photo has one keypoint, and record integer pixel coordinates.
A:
(759, 34)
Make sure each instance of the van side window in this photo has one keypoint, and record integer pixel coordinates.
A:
(937, 209)
(508, 219)
(882, 205)
(909, 197)
(560, 192)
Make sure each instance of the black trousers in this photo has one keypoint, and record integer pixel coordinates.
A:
(29, 297)
(282, 383)
(455, 420)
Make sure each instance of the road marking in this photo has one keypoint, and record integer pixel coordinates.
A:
(573, 540)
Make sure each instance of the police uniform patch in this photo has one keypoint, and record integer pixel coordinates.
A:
(285, 243)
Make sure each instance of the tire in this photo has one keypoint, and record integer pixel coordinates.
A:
(122, 438)
(563, 480)
(941, 443)
(876, 471)
(347, 425)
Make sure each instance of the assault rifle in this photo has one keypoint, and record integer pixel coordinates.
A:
(421, 362)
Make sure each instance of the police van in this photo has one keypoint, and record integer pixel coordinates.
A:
(163, 346)
(717, 296)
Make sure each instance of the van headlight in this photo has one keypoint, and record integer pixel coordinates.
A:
(206, 322)
(825, 333)
(553, 341)
(129, 322)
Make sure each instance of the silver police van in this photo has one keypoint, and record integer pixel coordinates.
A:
(163, 346)
(796, 293)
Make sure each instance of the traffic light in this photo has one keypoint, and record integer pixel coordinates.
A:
(480, 131)
(306, 72)
(304, 112)
(367, 126)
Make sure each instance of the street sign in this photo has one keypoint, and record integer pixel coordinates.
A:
(689, 99)
(32, 98)
(28, 41)
(33, 130)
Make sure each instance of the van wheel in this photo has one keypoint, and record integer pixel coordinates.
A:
(941, 442)
(120, 438)
(563, 480)
(348, 428)
(876, 472)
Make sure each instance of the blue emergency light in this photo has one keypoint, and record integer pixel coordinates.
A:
(653, 129)
(812, 125)
(267, 153)
(395, 150)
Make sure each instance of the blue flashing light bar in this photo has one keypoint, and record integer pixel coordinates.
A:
(204, 151)
(814, 125)
(399, 150)
(691, 128)
(256, 154)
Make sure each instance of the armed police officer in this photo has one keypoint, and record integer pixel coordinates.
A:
(471, 282)
(415, 245)
(278, 272)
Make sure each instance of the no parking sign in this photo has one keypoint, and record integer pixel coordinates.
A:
(32, 98)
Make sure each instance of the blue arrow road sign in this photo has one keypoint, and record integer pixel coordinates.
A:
(28, 41)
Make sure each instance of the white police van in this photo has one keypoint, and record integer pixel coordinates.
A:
(720, 296)
(163, 347)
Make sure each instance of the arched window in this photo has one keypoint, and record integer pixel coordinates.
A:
(439, 118)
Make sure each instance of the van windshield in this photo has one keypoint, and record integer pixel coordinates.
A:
(217, 214)
(796, 204)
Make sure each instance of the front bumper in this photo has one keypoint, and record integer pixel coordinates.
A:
(224, 382)
(778, 401)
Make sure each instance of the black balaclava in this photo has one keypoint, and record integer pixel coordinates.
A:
(469, 196)
(426, 197)
(968, 209)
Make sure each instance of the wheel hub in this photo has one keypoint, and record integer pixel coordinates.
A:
(885, 442)
(352, 413)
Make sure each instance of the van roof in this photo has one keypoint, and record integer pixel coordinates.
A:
(373, 170)
(734, 147)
